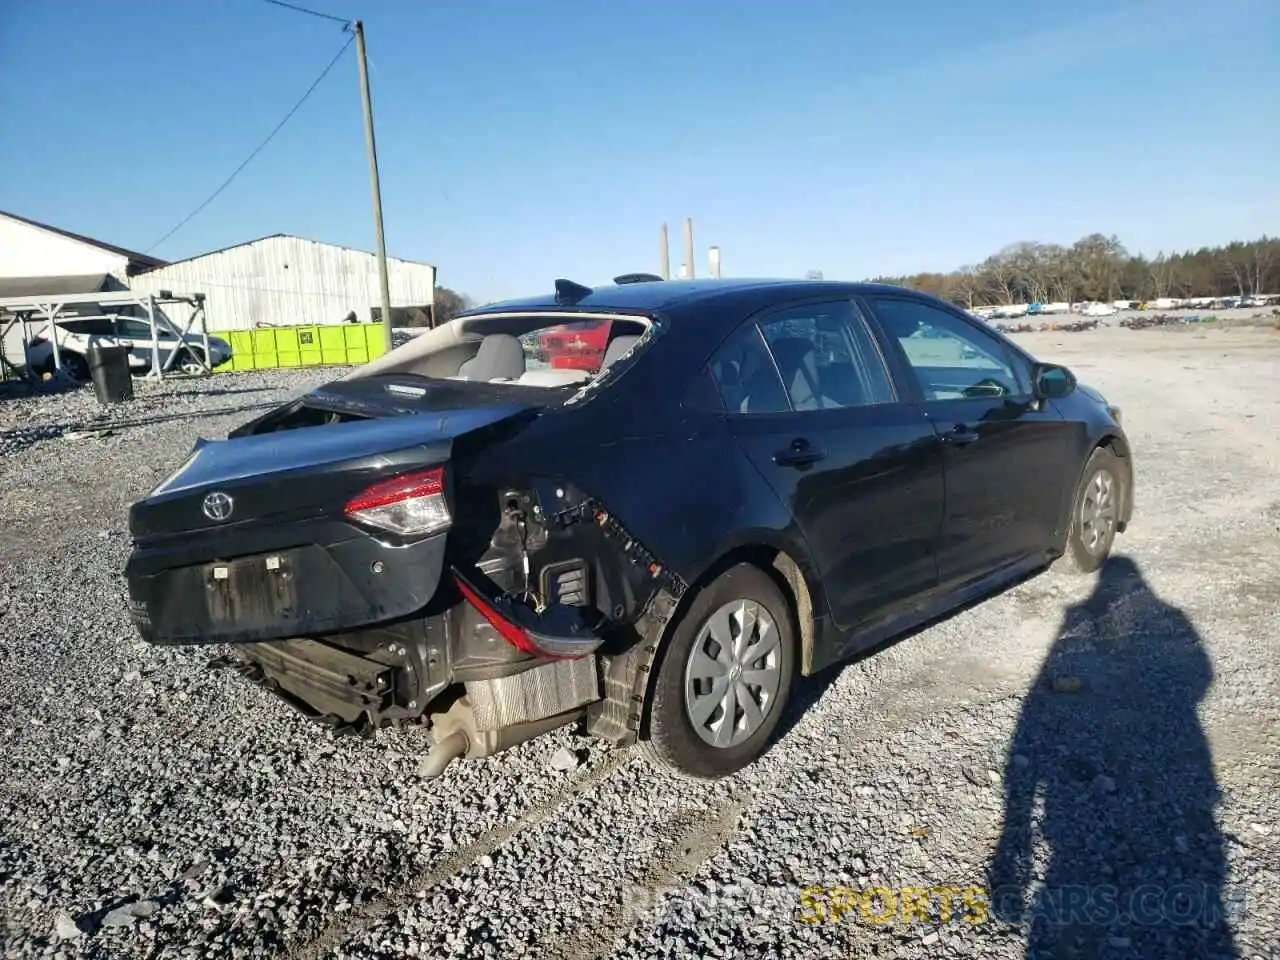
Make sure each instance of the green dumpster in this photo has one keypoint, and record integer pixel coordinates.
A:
(271, 348)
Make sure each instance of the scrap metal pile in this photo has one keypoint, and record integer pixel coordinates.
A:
(1074, 326)
(1147, 322)
(1144, 321)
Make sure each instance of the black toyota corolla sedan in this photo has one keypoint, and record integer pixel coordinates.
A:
(644, 507)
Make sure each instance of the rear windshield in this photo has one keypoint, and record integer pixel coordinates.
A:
(533, 351)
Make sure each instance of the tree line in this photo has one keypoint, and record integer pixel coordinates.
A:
(448, 304)
(1099, 268)
(1096, 267)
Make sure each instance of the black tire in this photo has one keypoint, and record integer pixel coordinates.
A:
(76, 366)
(1084, 551)
(672, 740)
(189, 355)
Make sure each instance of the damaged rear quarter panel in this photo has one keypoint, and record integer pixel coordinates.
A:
(686, 494)
(676, 483)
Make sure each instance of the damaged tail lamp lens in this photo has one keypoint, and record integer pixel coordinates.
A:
(570, 641)
(411, 504)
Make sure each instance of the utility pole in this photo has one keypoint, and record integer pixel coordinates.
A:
(664, 255)
(381, 248)
(688, 245)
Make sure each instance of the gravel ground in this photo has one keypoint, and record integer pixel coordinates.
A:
(1086, 745)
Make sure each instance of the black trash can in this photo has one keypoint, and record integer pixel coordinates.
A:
(109, 371)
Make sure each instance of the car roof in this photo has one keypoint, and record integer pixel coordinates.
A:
(664, 295)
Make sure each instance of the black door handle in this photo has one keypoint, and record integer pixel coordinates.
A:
(961, 435)
(801, 453)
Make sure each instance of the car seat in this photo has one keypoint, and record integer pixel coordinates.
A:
(797, 361)
(500, 357)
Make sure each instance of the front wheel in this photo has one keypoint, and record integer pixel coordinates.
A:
(725, 677)
(1095, 514)
(188, 361)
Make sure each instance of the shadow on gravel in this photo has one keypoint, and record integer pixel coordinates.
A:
(17, 439)
(1110, 846)
(221, 392)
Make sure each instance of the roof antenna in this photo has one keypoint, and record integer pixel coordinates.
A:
(637, 278)
(569, 292)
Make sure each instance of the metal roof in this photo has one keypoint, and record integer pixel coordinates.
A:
(140, 258)
(51, 286)
(275, 236)
(106, 298)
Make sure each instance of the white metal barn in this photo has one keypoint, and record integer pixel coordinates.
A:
(282, 280)
(44, 264)
(37, 260)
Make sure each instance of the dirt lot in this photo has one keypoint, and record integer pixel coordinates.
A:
(1105, 747)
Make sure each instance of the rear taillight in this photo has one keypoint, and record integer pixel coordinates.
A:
(571, 637)
(511, 632)
(411, 504)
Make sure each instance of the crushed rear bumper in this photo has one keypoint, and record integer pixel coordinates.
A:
(354, 693)
(338, 579)
(324, 683)
(359, 681)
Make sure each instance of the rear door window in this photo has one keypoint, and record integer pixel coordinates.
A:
(90, 326)
(746, 376)
(139, 330)
(817, 356)
(826, 357)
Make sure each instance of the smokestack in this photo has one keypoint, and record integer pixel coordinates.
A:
(713, 256)
(688, 245)
(664, 256)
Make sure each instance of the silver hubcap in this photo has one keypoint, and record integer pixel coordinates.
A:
(1098, 511)
(731, 678)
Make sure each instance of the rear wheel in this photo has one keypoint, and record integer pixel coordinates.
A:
(1095, 514)
(76, 366)
(188, 361)
(725, 677)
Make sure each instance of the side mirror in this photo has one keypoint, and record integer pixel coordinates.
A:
(1049, 381)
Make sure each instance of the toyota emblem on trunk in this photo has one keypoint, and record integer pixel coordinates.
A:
(218, 505)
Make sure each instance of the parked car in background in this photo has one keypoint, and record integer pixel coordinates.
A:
(757, 480)
(579, 345)
(77, 334)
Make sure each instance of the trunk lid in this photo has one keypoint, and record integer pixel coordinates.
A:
(294, 474)
(248, 540)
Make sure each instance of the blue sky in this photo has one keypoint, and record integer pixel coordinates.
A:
(524, 141)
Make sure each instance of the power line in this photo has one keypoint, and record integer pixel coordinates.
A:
(259, 148)
(314, 13)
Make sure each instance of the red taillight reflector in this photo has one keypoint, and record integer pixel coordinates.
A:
(411, 504)
(424, 484)
(513, 633)
(567, 643)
